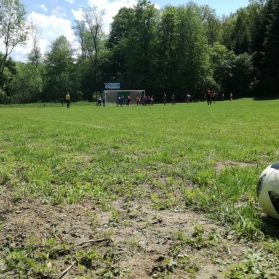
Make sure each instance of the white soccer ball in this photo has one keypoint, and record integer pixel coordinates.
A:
(268, 190)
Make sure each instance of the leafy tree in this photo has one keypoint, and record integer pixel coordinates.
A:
(13, 29)
(26, 86)
(83, 78)
(84, 38)
(93, 20)
(168, 39)
(243, 75)
(234, 73)
(263, 45)
(228, 29)
(221, 63)
(7, 76)
(258, 32)
(236, 31)
(241, 35)
(35, 56)
(141, 47)
(212, 24)
(58, 76)
(193, 58)
(117, 43)
(272, 49)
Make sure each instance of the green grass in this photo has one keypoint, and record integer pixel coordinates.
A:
(212, 155)
(195, 156)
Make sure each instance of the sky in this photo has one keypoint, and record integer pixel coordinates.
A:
(56, 17)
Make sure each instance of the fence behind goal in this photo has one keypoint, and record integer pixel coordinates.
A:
(111, 95)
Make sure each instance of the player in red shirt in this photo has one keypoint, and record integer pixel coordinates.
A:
(208, 96)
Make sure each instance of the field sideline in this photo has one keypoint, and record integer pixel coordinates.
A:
(121, 166)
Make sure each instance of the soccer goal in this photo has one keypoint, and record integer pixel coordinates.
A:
(111, 96)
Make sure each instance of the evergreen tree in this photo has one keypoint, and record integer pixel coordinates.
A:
(272, 49)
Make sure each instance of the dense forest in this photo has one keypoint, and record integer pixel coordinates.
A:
(177, 49)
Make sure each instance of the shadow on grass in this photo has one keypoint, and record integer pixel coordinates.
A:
(266, 98)
(270, 227)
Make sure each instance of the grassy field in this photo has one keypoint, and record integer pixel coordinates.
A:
(109, 169)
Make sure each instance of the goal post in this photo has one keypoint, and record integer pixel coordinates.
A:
(111, 96)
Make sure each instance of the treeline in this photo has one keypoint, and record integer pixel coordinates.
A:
(174, 50)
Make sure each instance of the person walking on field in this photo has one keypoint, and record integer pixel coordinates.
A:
(148, 99)
(100, 101)
(128, 100)
(68, 99)
(188, 97)
(138, 100)
(151, 100)
(213, 97)
(165, 98)
(119, 101)
(173, 99)
(231, 96)
(208, 96)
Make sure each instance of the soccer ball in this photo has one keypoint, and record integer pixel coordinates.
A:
(268, 190)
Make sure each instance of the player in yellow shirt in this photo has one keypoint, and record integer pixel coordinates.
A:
(68, 99)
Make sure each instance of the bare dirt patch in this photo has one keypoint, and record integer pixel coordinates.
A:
(128, 240)
(224, 164)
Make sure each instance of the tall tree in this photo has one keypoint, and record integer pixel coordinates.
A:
(212, 24)
(258, 31)
(221, 63)
(241, 35)
(193, 59)
(8, 75)
(272, 48)
(228, 27)
(59, 67)
(13, 28)
(168, 38)
(142, 43)
(26, 86)
(84, 38)
(93, 19)
(35, 31)
(117, 42)
(237, 30)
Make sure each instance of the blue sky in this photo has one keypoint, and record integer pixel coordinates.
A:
(63, 7)
(220, 6)
(55, 17)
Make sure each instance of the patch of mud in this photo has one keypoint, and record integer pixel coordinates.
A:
(219, 166)
(137, 241)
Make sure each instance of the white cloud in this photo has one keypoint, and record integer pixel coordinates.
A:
(110, 8)
(43, 7)
(56, 25)
(60, 11)
(51, 28)
(70, 1)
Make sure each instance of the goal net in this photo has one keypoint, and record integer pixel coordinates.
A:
(111, 96)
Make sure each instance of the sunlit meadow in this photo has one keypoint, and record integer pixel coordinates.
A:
(185, 156)
(212, 154)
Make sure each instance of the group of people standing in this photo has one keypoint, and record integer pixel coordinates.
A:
(149, 100)
(146, 100)
(120, 100)
(172, 99)
(101, 99)
(209, 96)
